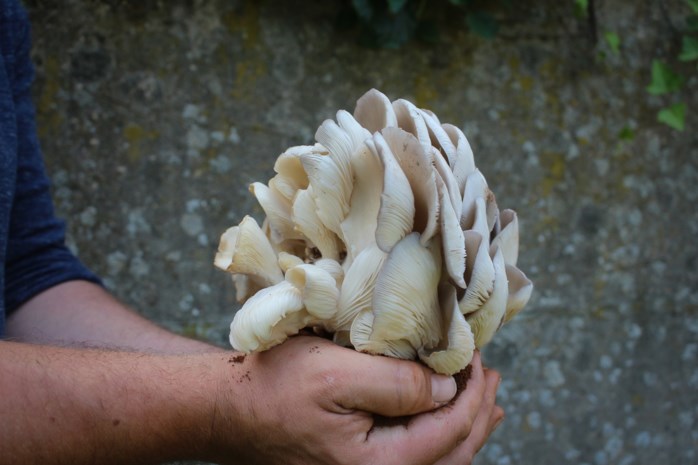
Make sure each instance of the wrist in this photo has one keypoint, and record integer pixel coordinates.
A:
(216, 409)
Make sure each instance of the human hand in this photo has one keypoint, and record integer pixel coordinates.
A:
(309, 401)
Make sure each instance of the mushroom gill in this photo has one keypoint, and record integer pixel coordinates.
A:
(383, 234)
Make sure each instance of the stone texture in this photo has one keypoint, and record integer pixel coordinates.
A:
(155, 116)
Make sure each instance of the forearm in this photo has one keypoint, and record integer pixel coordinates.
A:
(91, 406)
(79, 313)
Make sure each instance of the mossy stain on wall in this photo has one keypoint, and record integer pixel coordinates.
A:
(136, 135)
(50, 119)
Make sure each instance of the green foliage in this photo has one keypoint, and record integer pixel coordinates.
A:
(626, 134)
(664, 80)
(581, 8)
(694, 6)
(613, 41)
(689, 51)
(393, 23)
(673, 116)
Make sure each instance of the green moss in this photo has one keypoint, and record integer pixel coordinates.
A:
(51, 119)
(136, 135)
(424, 91)
(245, 22)
(554, 171)
(247, 73)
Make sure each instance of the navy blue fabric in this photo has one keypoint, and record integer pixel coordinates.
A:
(32, 239)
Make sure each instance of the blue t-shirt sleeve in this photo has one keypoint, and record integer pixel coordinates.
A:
(37, 257)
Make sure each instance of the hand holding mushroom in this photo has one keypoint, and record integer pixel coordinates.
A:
(383, 234)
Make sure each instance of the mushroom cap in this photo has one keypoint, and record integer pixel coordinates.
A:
(383, 234)
(268, 318)
(245, 249)
(405, 300)
(397, 209)
(455, 349)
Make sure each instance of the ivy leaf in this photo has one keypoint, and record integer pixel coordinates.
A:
(694, 5)
(689, 51)
(664, 80)
(673, 116)
(581, 8)
(613, 42)
(396, 5)
(482, 24)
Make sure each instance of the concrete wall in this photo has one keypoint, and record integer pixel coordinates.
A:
(155, 116)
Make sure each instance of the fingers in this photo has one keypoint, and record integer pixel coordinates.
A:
(392, 387)
(488, 418)
(432, 435)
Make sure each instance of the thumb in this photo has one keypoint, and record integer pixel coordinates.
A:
(392, 387)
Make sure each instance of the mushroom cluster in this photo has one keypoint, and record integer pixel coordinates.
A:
(384, 235)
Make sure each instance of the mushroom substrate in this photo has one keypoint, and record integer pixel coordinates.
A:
(385, 235)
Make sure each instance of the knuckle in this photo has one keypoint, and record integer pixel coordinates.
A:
(413, 387)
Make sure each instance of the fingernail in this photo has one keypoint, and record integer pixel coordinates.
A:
(443, 388)
(496, 425)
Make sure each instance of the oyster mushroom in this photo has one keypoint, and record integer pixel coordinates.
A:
(455, 349)
(397, 209)
(384, 234)
(405, 299)
(245, 249)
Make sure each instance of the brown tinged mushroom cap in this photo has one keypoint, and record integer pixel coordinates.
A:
(374, 111)
(418, 166)
(452, 188)
(453, 240)
(409, 118)
(396, 212)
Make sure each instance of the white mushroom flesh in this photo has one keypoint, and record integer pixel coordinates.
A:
(383, 234)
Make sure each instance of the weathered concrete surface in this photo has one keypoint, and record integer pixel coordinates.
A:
(155, 116)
